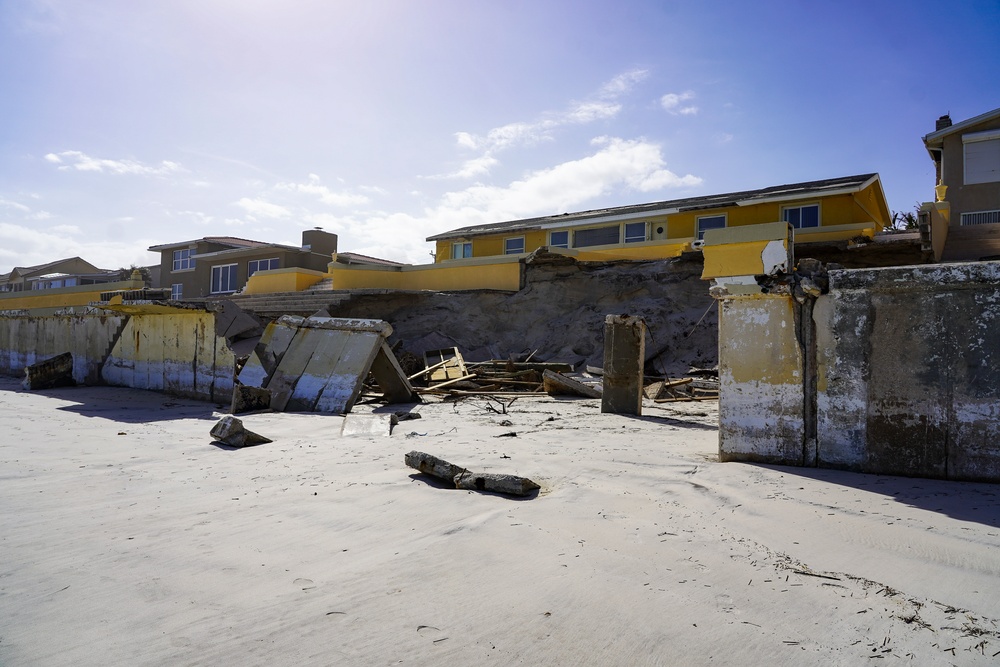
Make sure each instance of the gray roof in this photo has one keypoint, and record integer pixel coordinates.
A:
(746, 197)
(934, 138)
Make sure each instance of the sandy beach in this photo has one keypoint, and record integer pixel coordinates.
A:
(128, 537)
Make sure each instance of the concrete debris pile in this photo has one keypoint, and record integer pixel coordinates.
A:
(319, 364)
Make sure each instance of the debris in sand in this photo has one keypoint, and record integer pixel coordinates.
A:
(559, 384)
(54, 372)
(230, 431)
(624, 357)
(465, 479)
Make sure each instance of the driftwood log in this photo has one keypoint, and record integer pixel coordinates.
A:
(465, 479)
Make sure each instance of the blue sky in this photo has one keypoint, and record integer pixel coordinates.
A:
(127, 123)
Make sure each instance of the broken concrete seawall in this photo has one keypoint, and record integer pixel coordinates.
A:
(894, 371)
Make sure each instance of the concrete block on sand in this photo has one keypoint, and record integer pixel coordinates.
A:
(230, 431)
(374, 424)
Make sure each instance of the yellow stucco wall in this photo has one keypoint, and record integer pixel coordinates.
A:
(502, 274)
(282, 280)
(841, 212)
(648, 250)
(62, 297)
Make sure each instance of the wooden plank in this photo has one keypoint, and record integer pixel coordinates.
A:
(451, 382)
(557, 384)
(453, 368)
(428, 370)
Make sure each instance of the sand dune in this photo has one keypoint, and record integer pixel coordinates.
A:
(128, 537)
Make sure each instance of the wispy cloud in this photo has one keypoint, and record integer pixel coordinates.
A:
(601, 106)
(675, 103)
(17, 206)
(78, 161)
(259, 208)
(316, 189)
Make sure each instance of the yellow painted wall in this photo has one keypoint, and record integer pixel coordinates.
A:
(867, 206)
(648, 250)
(62, 297)
(282, 280)
(503, 274)
(733, 259)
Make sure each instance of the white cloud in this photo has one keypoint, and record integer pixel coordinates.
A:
(674, 103)
(17, 206)
(66, 229)
(82, 162)
(323, 193)
(522, 133)
(723, 137)
(260, 208)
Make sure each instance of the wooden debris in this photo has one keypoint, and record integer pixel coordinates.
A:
(453, 365)
(464, 479)
(557, 384)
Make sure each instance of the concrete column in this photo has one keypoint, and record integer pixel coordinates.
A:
(624, 357)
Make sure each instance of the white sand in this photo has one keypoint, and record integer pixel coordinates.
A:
(127, 537)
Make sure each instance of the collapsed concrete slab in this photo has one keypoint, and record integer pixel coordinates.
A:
(54, 372)
(319, 364)
(230, 431)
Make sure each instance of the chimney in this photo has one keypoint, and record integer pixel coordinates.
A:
(943, 122)
(318, 241)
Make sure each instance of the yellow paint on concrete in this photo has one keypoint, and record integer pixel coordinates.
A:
(282, 280)
(835, 233)
(499, 273)
(757, 340)
(62, 297)
(647, 250)
(733, 259)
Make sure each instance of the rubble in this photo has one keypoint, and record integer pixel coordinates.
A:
(54, 372)
(464, 479)
(230, 431)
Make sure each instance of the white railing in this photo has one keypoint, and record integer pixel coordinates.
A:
(981, 218)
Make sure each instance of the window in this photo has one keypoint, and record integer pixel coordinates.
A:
(513, 246)
(176, 291)
(982, 157)
(558, 239)
(183, 260)
(261, 265)
(801, 217)
(223, 278)
(708, 222)
(461, 250)
(584, 238)
(635, 232)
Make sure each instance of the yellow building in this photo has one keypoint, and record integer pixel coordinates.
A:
(836, 209)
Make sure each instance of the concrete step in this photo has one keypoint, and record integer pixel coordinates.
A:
(971, 243)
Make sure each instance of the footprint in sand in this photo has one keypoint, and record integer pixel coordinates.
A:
(432, 633)
(304, 584)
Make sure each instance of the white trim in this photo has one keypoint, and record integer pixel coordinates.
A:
(605, 219)
(700, 235)
(514, 238)
(455, 244)
(552, 244)
(211, 282)
(645, 232)
(986, 135)
(819, 213)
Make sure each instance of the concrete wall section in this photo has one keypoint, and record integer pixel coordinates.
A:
(913, 354)
(176, 353)
(760, 378)
(26, 340)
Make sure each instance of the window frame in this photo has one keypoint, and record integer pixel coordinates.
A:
(554, 244)
(635, 239)
(250, 265)
(819, 215)
(506, 245)
(176, 291)
(991, 140)
(577, 232)
(700, 233)
(232, 278)
(458, 249)
(182, 260)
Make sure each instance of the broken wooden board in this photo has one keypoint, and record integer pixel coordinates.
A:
(472, 481)
(557, 384)
(454, 366)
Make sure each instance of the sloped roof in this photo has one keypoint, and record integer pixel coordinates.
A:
(232, 241)
(935, 138)
(358, 258)
(49, 267)
(744, 198)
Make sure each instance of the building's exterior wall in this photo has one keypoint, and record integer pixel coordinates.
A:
(966, 198)
(842, 217)
(906, 379)
(283, 280)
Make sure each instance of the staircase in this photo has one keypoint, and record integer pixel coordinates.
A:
(968, 243)
(319, 296)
